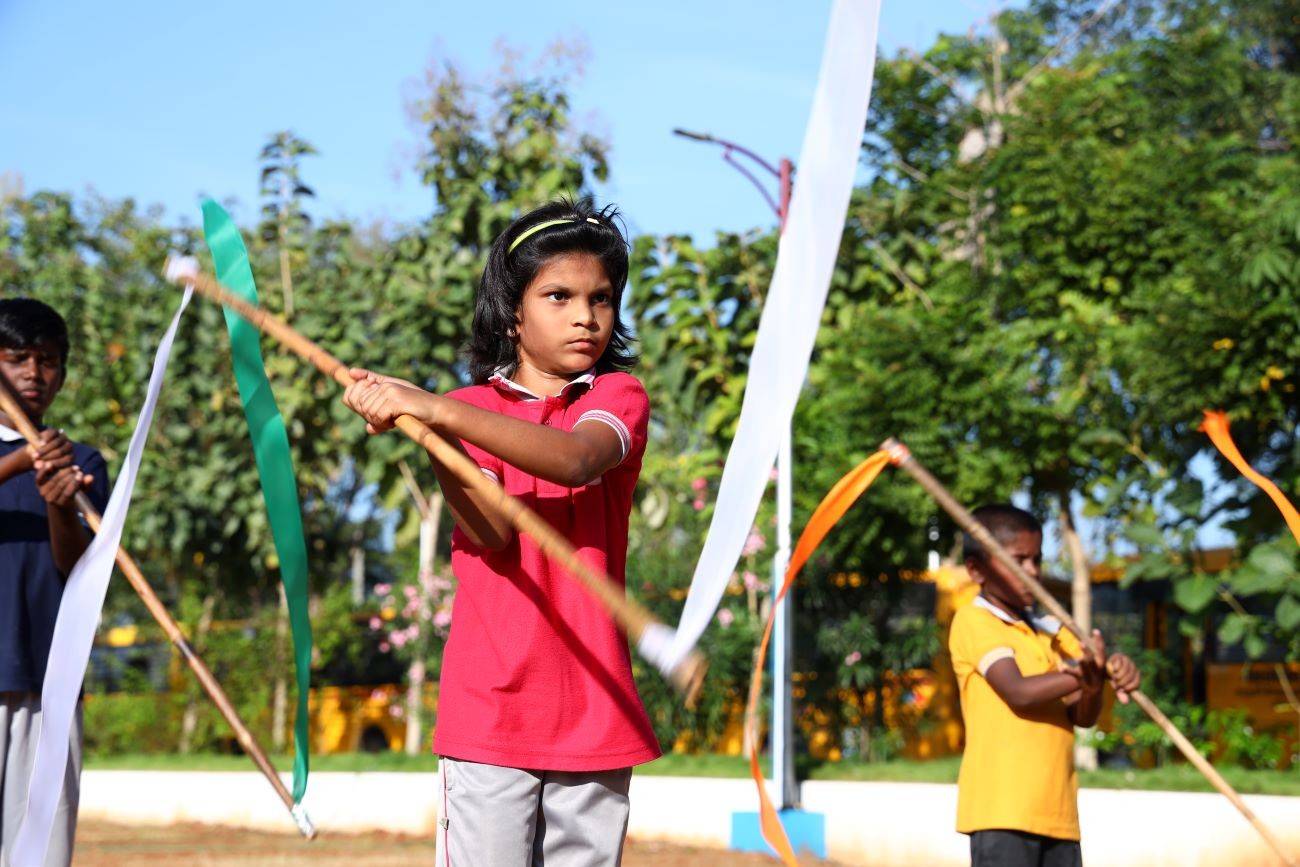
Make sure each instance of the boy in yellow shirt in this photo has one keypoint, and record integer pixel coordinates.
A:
(1025, 684)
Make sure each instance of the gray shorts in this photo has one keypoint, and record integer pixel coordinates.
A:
(507, 817)
(20, 727)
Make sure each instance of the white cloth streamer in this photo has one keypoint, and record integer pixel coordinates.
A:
(793, 311)
(74, 631)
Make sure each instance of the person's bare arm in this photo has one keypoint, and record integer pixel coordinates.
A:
(16, 463)
(68, 537)
(1023, 693)
(58, 480)
(485, 526)
(569, 458)
(1084, 705)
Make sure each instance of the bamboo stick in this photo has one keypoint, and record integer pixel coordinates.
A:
(632, 618)
(11, 405)
(901, 457)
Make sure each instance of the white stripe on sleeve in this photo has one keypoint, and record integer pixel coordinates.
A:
(993, 656)
(624, 437)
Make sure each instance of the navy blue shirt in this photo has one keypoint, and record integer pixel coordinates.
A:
(30, 584)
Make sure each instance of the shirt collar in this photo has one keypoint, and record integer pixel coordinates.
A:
(9, 435)
(1045, 625)
(501, 379)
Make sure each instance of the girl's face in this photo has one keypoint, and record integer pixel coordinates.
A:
(564, 321)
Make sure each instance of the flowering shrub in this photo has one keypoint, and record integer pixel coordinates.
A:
(414, 618)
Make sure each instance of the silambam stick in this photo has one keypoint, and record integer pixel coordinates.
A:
(12, 407)
(901, 457)
(632, 618)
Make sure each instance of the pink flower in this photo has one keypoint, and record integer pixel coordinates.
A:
(773, 474)
(410, 591)
(398, 638)
(396, 711)
(376, 622)
(753, 543)
(699, 484)
(751, 581)
(726, 617)
(383, 589)
(384, 647)
(413, 632)
(853, 658)
(442, 619)
(698, 504)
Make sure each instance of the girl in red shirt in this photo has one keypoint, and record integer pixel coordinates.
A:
(539, 721)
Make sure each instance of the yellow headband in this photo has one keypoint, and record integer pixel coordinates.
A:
(532, 230)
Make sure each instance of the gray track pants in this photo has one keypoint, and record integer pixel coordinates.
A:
(506, 817)
(20, 727)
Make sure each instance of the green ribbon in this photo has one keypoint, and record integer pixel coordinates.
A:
(274, 464)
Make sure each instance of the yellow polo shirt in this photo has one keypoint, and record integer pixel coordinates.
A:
(1017, 770)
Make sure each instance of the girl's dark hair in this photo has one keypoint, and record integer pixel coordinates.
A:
(509, 271)
(25, 322)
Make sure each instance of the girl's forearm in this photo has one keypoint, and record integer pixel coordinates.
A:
(561, 457)
(484, 526)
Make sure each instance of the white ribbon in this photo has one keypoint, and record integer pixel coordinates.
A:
(791, 315)
(74, 632)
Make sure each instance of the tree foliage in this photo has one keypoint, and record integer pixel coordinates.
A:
(1078, 228)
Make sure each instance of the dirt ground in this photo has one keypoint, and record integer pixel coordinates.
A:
(100, 844)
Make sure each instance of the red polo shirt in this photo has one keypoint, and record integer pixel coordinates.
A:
(535, 673)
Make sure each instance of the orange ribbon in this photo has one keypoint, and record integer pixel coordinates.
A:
(1215, 427)
(832, 507)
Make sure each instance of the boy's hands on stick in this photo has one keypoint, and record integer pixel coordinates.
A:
(1094, 664)
(1091, 669)
(1124, 676)
(58, 479)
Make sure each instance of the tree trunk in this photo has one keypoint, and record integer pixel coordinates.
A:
(358, 570)
(190, 719)
(1081, 582)
(286, 276)
(280, 689)
(429, 519)
(1085, 755)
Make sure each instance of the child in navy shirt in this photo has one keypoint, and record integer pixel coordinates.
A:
(41, 538)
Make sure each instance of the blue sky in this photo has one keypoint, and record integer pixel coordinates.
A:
(166, 102)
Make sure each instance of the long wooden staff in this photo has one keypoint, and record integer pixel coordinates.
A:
(12, 407)
(901, 457)
(631, 617)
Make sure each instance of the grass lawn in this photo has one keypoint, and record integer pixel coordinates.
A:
(1177, 778)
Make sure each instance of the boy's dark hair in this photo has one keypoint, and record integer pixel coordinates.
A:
(1004, 521)
(25, 322)
(509, 272)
